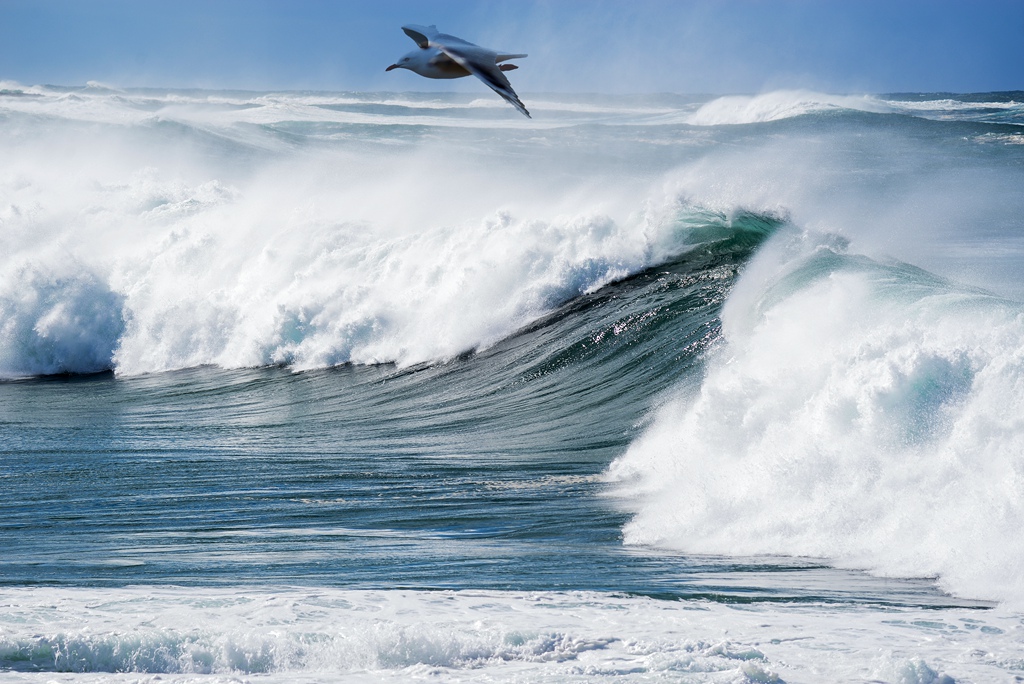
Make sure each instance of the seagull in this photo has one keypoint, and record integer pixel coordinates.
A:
(444, 56)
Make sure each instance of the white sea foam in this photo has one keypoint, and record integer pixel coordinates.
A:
(314, 635)
(865, 413)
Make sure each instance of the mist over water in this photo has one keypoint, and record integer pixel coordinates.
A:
(742, 349)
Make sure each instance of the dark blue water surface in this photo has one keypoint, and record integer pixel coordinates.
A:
(483, 471)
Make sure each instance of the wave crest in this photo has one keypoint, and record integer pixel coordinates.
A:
(777, 105)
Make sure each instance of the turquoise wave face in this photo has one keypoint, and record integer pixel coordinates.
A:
(431, 476)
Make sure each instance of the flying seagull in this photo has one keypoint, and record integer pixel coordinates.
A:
(444, 56)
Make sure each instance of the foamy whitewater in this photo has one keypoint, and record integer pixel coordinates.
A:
(302, 387)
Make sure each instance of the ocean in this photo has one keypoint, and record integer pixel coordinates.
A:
(317, 387)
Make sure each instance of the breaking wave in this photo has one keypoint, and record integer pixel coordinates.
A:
(861, 411)
(858, 408)
(181, 276)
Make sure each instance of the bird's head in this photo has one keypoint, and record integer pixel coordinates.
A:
(409, 61)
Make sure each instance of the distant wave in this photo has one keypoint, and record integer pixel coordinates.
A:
(949, 104)
(787, 104)
(777, 105)
(98, 102)
(101, 103)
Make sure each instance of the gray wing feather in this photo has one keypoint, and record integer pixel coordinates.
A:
(425, 36)
(421, 34)
(480, 63)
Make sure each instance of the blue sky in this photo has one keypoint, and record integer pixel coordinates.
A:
(709, 46)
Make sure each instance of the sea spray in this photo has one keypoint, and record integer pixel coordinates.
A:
(168, 275)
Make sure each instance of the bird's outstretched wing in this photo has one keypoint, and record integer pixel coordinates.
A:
(480, 62)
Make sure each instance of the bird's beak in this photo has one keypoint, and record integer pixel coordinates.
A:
(393, 66)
